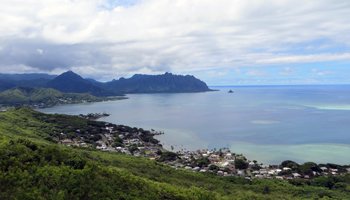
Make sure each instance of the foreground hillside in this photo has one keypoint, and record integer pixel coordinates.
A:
(32, 166)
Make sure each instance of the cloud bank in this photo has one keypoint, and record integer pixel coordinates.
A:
(105, 39)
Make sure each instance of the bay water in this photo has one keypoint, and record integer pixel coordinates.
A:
(265, 123)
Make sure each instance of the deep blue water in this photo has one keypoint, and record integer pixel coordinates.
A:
(266, 123)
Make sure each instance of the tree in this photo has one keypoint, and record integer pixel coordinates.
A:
(291, 164)
(241, 164)
(309, 167)
(202, 162)
(168, 156)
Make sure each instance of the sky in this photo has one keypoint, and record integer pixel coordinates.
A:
(222, 42)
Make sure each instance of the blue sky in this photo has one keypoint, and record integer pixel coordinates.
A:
(300, 74)
(222, 42)
(111, 4)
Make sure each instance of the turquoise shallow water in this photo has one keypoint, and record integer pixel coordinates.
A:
(266, 123)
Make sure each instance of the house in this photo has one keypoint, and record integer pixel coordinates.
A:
(259, 176)
(296, 175)
(196, 168)
(119, 148)
(83, 144)
(286, 169)
(67, 141)
(334, 170)
(224, 164)
(324, 169)
(229, 156)
(102, 145)
(214, 158)
(271, 172)
(240, 173)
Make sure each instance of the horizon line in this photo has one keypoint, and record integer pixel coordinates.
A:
(255, 85)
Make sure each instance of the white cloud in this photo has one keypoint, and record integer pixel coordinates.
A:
(305, 58)
(169, 35)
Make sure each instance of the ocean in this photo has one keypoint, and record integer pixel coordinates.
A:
(265, 123)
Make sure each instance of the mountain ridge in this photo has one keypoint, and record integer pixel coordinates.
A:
(163, 83)
(70, 82)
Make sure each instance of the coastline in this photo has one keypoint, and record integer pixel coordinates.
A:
(252, 150)
(222, 162)
(43, 105)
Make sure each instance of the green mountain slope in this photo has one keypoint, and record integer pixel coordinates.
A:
(163, 83)
(33, 167)
(47, 96)
(73, 83)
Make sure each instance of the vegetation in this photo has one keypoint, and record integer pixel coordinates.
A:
(34, 168)
(42, 97)
(167, 156)
(157, 84)
(73, 83)
(70, 82)
(241, 164)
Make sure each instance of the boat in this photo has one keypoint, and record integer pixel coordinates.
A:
(230, 91)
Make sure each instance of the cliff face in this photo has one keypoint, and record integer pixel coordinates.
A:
(70, 82)
(165, 83)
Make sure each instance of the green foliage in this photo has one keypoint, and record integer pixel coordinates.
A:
(47, 96)
(291, 164)
(167, 156)
(202, 162)
(241, 164)
(118, 142)
(308, 168)
(214, 168)
(133, 148)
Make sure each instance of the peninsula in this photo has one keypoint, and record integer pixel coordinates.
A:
(70, 82)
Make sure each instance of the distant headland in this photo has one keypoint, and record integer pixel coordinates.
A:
(43, 90)
(70, 82)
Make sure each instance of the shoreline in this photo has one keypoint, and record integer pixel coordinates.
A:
(269, 149)
(222, 162)
(43, 105)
